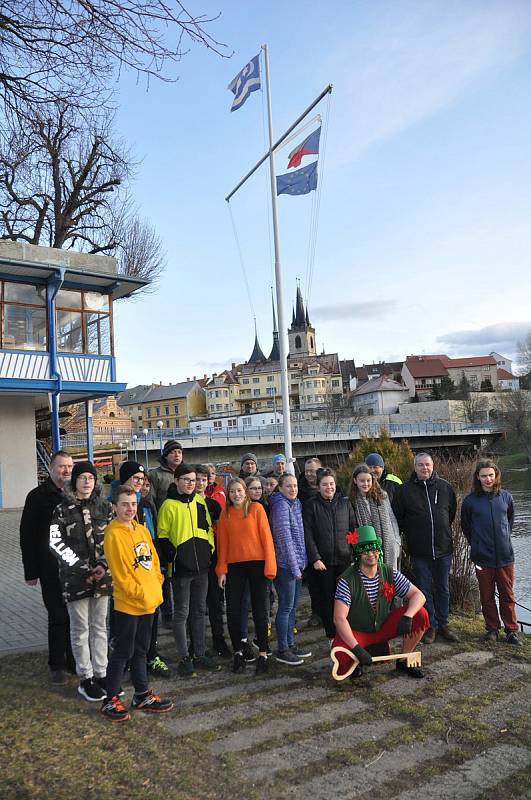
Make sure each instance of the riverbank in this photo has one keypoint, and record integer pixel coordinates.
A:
(462, 732)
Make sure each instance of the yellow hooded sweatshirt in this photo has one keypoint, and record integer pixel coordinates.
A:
(134, 566)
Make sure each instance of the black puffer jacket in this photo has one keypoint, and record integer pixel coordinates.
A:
(326, 524)
(425, 511)
(35, 531)
(76, 540)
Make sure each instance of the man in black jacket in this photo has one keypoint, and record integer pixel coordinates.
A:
(425, 507)
(40, 565)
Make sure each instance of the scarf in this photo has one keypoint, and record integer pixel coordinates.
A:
(381, 517)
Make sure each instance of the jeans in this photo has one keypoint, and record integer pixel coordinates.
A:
(288, 591)
(430, 571)
(131, 641)
(166, 609)
(240, 575)
(215, 608)
(60, 654)
(88, 633)
(501, 578)
(189, 602)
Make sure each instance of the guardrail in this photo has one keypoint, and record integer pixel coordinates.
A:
(299, 431)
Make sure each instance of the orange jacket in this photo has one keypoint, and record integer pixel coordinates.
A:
(248, 538)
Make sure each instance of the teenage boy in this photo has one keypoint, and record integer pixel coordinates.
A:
(137, 581)
(187, 542)
(76, 540)
(134, 475)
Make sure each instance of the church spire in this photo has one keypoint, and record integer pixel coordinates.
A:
(300, 317)
(257, 354)
(275, 350)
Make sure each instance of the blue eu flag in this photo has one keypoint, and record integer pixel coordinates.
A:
(245, 82)
(300, 181)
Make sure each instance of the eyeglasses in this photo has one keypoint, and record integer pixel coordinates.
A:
(87, 478)
(138, 478)
(188, 480)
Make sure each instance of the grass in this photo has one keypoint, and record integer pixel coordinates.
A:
(55, 745)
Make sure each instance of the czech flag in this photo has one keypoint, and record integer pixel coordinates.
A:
(309, 146)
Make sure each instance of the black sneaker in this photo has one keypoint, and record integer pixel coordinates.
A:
(151, 702)
(287, 657)
(268, 650)
(512, 638)
(301, 652)
(90, 690)
(428, 638)
(238, 663)
(206, 663)
(185, 667)
(491, 636)
(57, 677)
(262, 665)
(114, 709)
(413, 672)
(248, 652)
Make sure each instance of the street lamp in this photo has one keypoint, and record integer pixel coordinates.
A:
(160, 425)
(134, 438)
(145, 432)
(122, 445)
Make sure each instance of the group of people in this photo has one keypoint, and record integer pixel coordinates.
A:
(177, 543)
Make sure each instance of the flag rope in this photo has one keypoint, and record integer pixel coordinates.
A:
(242, 263)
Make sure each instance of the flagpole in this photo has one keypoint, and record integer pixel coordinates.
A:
(282, 330)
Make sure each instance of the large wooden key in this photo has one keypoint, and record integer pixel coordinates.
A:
(412, 660)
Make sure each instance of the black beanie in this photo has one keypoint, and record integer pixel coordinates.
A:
(183, 469)
(79, 469)
(130, 468)
(171, 445)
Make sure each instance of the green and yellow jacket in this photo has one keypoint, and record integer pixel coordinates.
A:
(185, 534)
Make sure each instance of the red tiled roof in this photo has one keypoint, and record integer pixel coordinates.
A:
(472, 361)
(426, 368)
(503, 375)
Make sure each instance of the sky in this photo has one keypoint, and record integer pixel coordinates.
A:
(422, 215)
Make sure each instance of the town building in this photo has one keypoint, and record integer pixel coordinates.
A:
(131, 402)
(421, 374)
(379, 396)
(236, 424)
(507, 382)
(56, 347)
(110, 423)
(173, 405)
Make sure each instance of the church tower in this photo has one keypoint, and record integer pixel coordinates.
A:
(301, 334)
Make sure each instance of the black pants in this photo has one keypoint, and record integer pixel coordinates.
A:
(59, 649)
(215, 609)
(313, 589)
(326, 581)
(152, 650)
(132, 635)
(237, 576)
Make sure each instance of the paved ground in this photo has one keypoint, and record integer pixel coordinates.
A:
(463, 733)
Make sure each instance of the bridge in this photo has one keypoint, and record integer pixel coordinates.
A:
(319, 438)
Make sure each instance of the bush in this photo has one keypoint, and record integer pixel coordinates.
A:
(398, 457)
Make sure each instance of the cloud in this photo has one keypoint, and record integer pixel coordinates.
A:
(339, 311)
(221, 364)
(500, 336)
(419, 59)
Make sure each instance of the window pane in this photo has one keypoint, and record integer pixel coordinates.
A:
(69, 338)
(22, 293)
(24, 328)
(68, 299)
(98, 334)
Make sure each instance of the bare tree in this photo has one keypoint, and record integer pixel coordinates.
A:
(64, 183)
(71, 49)
(524, 354)
(516, 413)
(475, 408)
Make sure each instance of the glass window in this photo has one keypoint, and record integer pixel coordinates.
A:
(256, 380)
(157, 411)
(24, 328)
(270, 378)
(98, 334)
(94, 301)
(256, 392)
(149, 413)
(23, 293)
(245, 380)
(68, 299)
(69, 332)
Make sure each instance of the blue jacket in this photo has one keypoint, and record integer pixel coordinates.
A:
(285, 517)
(487, 523)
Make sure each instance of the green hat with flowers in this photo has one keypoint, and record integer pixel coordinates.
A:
(363, 539)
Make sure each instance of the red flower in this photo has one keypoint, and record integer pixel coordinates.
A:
(388, 591)
(352, 537)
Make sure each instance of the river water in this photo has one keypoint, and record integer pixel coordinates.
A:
(518, 482)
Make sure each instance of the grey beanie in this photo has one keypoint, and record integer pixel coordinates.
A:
(249, 457)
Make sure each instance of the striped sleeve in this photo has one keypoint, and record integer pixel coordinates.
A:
(343, 592)
(402, 584)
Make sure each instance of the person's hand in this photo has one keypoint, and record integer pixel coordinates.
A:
(404, 626)
(222, 580)
(319, 566)
(33, 582)
(362, 655)
(98, 572)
